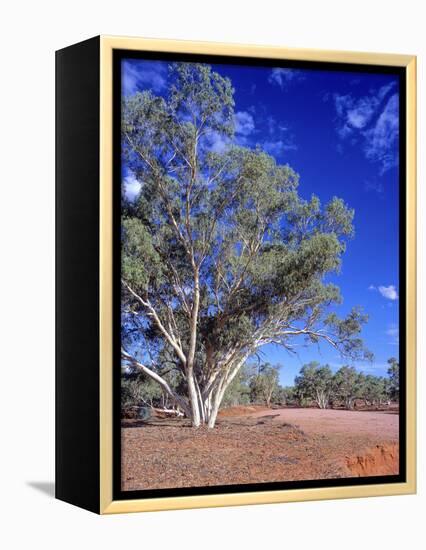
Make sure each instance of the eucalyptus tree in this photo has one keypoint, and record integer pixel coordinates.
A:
(220, 254)
(393, 373)
(136, 392)
(315, 382)
(348, 385)
(238, 391)
(374, 390)
(264, 383)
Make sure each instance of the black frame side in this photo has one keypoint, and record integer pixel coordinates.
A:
(77, 274)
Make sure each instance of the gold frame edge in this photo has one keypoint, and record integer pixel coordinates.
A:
(107, 504)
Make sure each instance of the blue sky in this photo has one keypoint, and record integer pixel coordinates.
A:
(339, 131)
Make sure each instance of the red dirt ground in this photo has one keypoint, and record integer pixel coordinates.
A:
(255, 446)
(241, 410)
(317, 421)
(380, 460)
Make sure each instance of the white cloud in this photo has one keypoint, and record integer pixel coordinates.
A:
(132, 187)
(381, 141)
(280, 138)
(281, 77)
(215, 142)
(388, 292)
(275, 127)
(278, 147)
(393, 331)
(141, 74)
(244, 123)
(357, 119)
(373, 121)
(244, 128)
(356, 113)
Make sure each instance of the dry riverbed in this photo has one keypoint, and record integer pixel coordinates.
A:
(252, 445)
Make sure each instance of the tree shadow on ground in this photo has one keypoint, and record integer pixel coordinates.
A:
(156, 422)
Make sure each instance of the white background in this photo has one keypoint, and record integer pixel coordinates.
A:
(30, 32)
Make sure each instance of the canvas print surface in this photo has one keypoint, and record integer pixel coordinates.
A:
(260, 281)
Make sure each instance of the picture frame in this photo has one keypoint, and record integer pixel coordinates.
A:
(88, 296)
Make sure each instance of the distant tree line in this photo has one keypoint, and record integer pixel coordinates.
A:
(315, 386)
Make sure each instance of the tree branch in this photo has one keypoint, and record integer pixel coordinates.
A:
(152, 313)
(157, 378)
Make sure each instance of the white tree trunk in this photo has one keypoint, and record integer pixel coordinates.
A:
(201, 405)
(205, 411)
(222, 386)
(217, 399)
(193, 400)
(322, 399)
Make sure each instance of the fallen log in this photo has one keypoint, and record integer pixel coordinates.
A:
(167, 412)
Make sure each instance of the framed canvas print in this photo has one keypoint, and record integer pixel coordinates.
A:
(235, 274)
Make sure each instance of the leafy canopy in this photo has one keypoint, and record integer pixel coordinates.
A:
(221, 233)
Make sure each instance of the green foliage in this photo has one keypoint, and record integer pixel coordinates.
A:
(393, 373)
(348, 385)
(238, 392)
(137, 391)
(347, 331)
(141, 264)
(249, 228)
(286, 396)
(202, 98)
(264, 384)
(374, 389)
(255, 384)
(315, 383)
